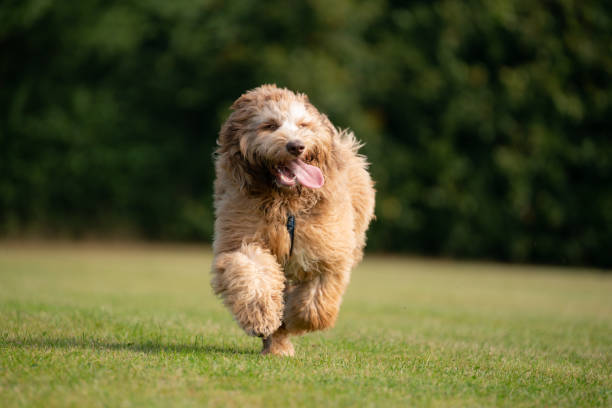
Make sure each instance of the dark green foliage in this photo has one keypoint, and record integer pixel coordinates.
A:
(488, 123)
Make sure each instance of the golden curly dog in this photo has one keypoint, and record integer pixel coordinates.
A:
(293, 201)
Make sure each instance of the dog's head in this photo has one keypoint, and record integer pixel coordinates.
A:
(278, 137)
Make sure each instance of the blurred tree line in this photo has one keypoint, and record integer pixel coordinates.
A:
(488, 123)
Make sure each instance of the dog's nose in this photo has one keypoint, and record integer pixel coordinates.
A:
(295, 147)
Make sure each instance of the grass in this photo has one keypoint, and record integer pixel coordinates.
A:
(138, 326)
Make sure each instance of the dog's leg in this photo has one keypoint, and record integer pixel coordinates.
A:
(251, 283)
(278, 344)
(313, 305)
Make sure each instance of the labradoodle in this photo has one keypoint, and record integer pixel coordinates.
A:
(293, 200)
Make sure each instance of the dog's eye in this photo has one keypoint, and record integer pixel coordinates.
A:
(269, 126)
(303, 124)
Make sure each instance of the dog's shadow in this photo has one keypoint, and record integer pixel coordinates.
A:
(147, 346)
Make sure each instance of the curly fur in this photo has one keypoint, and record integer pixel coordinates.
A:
(272, 292)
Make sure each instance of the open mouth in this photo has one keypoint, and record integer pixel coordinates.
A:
(285, 177)
(296, 171)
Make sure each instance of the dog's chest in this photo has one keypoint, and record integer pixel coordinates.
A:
(293, 247)
(301, 264)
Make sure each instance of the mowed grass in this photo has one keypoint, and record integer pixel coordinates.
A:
(138, 326)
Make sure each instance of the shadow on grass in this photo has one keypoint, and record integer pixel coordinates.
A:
(145, 347)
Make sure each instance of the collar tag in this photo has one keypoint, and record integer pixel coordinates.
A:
(291, 230)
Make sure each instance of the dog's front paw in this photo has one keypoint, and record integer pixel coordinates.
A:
(258, 319)
(251, 284)
(278, 345)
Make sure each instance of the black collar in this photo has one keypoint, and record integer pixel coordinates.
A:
(291, 230)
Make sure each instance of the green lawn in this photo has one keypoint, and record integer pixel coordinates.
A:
(138, 326)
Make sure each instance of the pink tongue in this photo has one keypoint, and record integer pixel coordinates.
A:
(307, 175)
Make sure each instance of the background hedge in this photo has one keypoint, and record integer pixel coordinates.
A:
(488, 124)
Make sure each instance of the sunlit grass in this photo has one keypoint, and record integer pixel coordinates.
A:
(138, 325)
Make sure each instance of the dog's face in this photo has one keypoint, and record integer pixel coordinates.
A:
(276, 132)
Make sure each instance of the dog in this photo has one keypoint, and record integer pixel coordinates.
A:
(293, 200)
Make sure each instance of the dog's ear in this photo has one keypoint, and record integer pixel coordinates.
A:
(334, 158)
(344, 146)
(228, 134)
(244, 100)
(337, 158)
(239, 169)
(231, 127)
(229, 155)
(228, 152)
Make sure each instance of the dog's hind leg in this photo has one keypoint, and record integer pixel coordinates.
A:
(251, 283)
(278, 343)
(314, 304)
